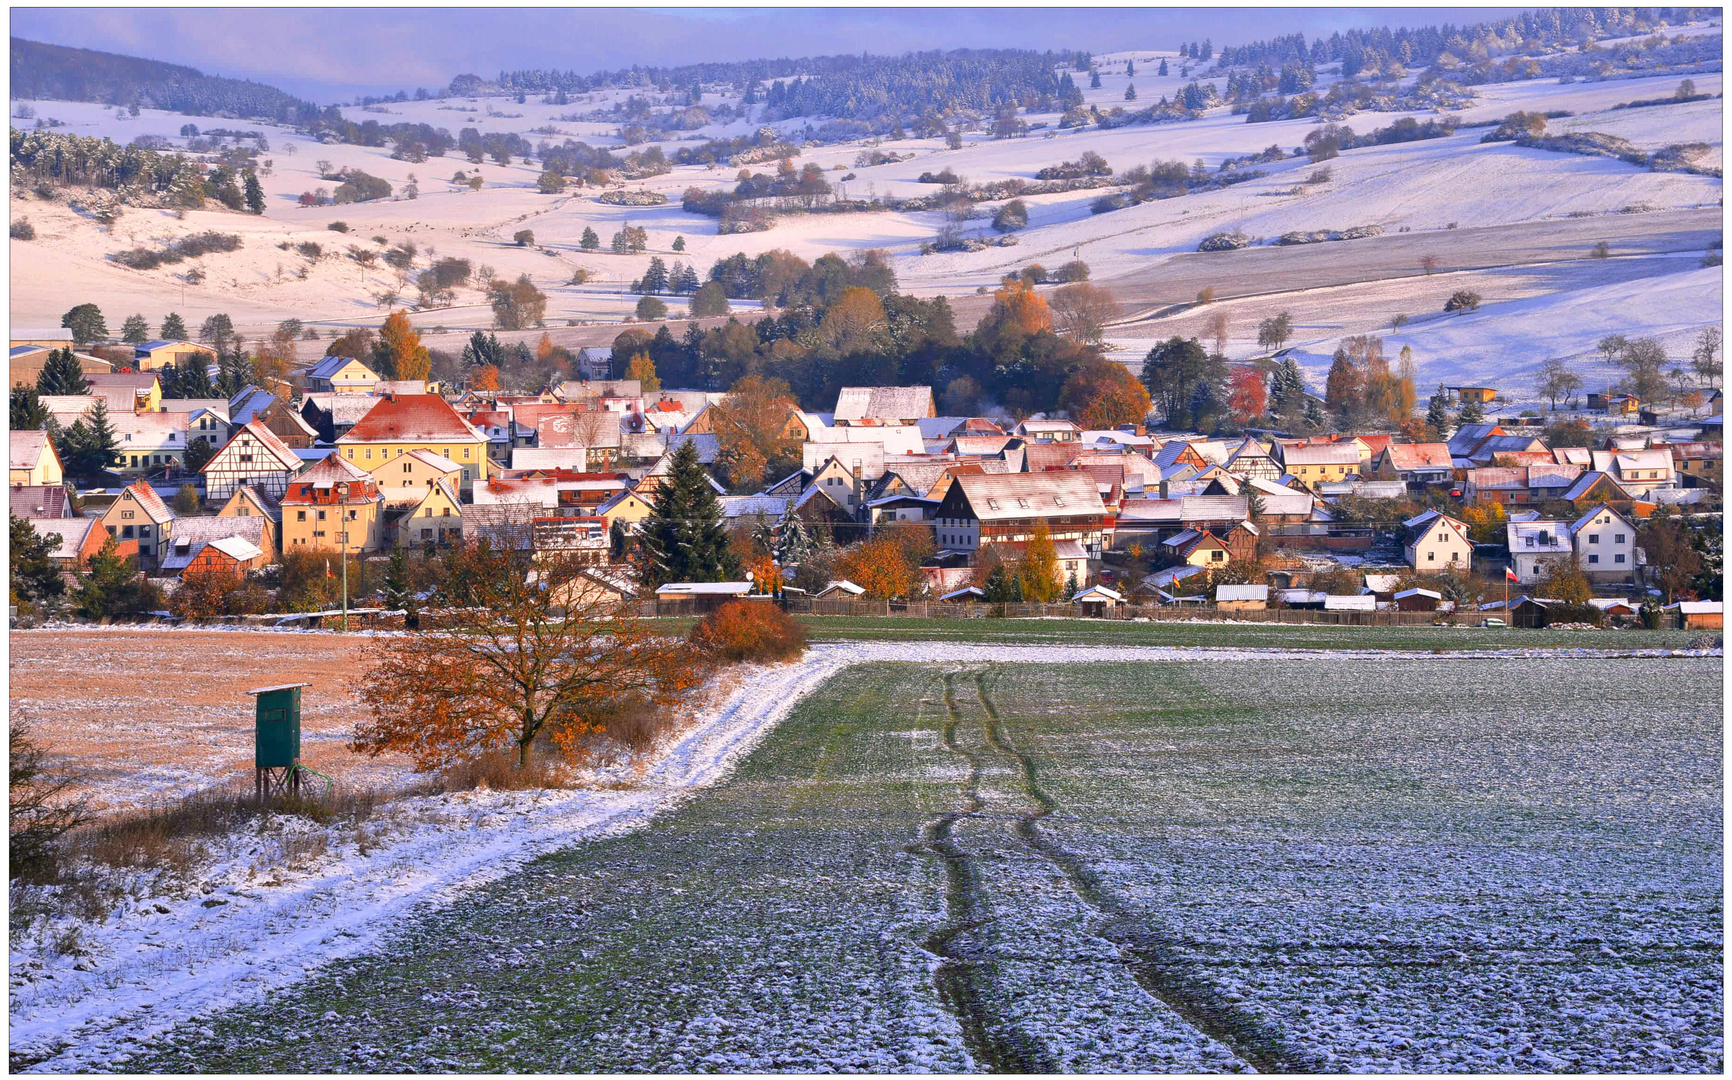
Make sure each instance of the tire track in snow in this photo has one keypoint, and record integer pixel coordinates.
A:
(963, 981)
(1155, 959)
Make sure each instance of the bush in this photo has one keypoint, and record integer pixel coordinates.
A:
(523, 237)
(1012, 216)
(187, 247)
(650, 307)
(1463, 300)
(338, 226)
(23, 230)
(358, 186)
(750, 631)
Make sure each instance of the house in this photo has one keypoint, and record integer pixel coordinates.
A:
(1697, 464)
(42, 337)
(398, 424)
(248, 503)
(231, 558)
(1062, 431)
(1519, 485)
(1313, 465)
(139, 513)
(150, 441)
(1594, 488)
(1605, 545)
(30, 501)
(1509, 450)
(1415, 464)
(1242, 597)
(435, 519)
(1436, 542)
(153, 355)
(80, 538)
(1638, 472)
(1533, 543)
(129, 391)
(33, 460)
(203, 423)
(340, 375)
(1615, 607)
(1468, 437)
(1253, 460)
(333, 506)
(1071, 561)
(1417, 600)
(283, 419)
(1482, 395)
(1698, 614)
(893, 405)
(406, 480)
(1198, 547)
(192, 536)
(254, 458)
(982, 509)
(333, 415)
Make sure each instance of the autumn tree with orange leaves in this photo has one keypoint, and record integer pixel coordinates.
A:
(1101, 394)
(888, 565)
(401, 348)
(1016, 303)
(752, 431)
(531, 656)
(1247, 395)
(486, 378)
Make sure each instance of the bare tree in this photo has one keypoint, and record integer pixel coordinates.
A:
(1217, 326)
(1081, 311)
(1556, 380)
(1428, 263)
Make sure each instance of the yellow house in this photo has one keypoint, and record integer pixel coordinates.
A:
(1321, 464)
(437, 519)
(333, 506)
(33, 460)
(341, 375)
(246, 502)
(140, 514)
(627, 506)
(153, 355)
(401, 423)
(404, 480)
(145, 386)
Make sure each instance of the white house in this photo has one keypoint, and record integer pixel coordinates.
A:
(1533, 543)
(1437, 542)
(1605, 543)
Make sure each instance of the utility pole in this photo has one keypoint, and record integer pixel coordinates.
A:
(343, 519)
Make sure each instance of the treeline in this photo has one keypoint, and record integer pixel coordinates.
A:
(1424, 46)
(54, 71)
(842, 323)
(879, 89)
(48, 157)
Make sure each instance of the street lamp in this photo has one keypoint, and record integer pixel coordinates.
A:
(343, 533)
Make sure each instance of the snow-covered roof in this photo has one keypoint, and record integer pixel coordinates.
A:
(705, 588)
(884, 402)
(1097, 592)
(1364, 602)
(1231, 593)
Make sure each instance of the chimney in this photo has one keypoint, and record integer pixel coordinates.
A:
(1163, 487)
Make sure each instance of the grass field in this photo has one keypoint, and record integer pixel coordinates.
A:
(1237, 635)
(1296, 863)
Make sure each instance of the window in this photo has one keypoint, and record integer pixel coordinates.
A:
(1618, 558)
(465, 453)
(1431, 556)
(367, 453)
(408, 466)
(126, 532)
(1621, 539)
(126, 515)
(1593, 558)
(1593, 538)
(1455, 556)
(321, 515)
(444, 511)
(300, 515)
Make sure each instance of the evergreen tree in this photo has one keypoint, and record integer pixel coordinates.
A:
(190, 378)
(86, 323)
(1163, 70)
(1130, 91)
(589, 241)
(28, 412)
(399, 587)
(1473, 413)
(62, 374)
(1001, 586)
(482, 350)
(234, 372)
(255, 195)
(679, 243)
(618, 540)
(1437, 413)
(655, 277)
(90, 445)
(1315, 418)
(112, 586)
(173, 327)
(793, 544)
(35, 577)
(684, 539)
(135, 331)
(1130, 68)
(1094, 80)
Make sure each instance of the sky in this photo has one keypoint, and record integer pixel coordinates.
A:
(332, 54)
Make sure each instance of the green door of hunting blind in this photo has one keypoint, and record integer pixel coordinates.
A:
(277, 726)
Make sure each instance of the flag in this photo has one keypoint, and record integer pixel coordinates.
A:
(1510, 575)
(328, 569)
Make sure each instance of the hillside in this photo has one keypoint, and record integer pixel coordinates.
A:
(55, 71)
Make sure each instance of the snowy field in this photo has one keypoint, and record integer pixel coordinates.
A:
(1032, 858)
(1431, 193)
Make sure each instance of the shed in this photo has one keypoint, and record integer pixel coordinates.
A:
(1242, 597)
(839, 590)
(1698, 614)
(1364, 602)
(1417, 600)
(1098, 597)
(965, 594)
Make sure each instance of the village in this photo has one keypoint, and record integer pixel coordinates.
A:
(217, 507)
